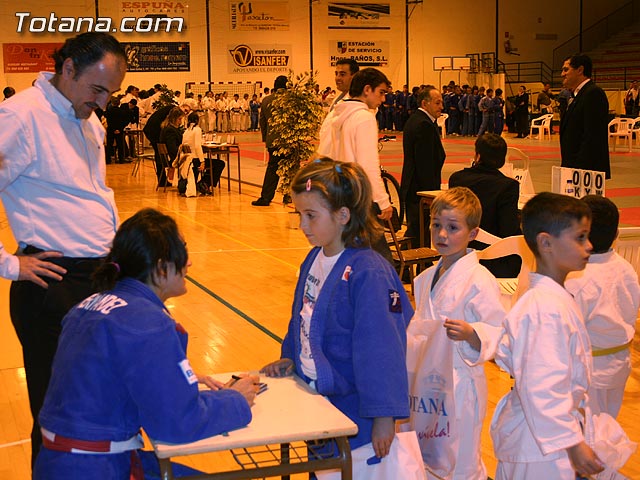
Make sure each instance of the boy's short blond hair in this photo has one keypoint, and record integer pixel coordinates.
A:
(463, 199)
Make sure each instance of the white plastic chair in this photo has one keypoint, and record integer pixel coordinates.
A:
(517, 155)
(520, 173)
(628, 246)
(511, 288)
(487, 238)
(635, 129)
(621, 128)
(543, 124)
(441, 121)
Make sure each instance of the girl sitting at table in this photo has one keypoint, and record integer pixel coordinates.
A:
(121, 365)
(346, 336)
(190, 163)
(210, 169)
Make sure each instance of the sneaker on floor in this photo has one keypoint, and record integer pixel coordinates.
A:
(261, 202)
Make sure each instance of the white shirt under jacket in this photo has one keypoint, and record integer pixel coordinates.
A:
(52, 177)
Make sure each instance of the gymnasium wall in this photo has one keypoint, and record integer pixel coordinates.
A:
(276, 35)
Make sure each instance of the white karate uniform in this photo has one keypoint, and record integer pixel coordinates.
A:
(209, 106)
(246, 120)
(235, 112)
(608, 296)
(467, 291)
(546, 348)
(222, 114)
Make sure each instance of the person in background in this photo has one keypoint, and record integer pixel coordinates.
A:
(254, 106)
(346, 337)
(486, 107)
(346, 68)
(584, 129)
(350, 134)
(498, 195)
(631, 100)
(192, 138)
(544, 100)
(122, 365)
(498, 112)
(8, 92)
(53, 187)
(424, 157)
(608, 296)
(171, 135)
(208, 105)
(401, 108)
(271, 178)
(522, 112)
(153, 129)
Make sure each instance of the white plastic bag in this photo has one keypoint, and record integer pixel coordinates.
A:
(404, 462)
(431, 394)
(609, 441)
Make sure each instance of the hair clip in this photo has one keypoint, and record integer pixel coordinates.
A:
(116, 266)
(338, 168)
(308, 186)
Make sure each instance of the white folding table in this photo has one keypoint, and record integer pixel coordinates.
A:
(288, 419)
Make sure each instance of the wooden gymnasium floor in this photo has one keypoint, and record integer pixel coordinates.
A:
(241, 283)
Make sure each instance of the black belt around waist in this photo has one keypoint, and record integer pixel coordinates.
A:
(74, 264)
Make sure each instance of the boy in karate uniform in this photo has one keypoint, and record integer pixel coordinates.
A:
(537, 427)
(458, 300)
(608, 296)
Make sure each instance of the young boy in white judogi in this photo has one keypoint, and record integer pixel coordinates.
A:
(536, 428)
(462, 296)
(608, 296)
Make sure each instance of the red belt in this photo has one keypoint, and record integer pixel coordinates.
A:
(59, 443)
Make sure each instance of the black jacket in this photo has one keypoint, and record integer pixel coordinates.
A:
(584, 131)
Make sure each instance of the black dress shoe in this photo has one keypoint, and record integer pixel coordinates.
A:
(261, 202)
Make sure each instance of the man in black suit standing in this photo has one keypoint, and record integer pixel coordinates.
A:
(584, 137)
(423, 156)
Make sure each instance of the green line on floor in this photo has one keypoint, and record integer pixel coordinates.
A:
(235, 310)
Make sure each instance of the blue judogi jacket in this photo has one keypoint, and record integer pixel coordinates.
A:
(357, 338)
(121, 365)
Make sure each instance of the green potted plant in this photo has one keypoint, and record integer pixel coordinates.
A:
(296, 120)
(165, 98)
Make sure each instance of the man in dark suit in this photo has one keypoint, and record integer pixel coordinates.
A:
(584, 137)
(271, 178)
(423, 156)
(498, 195)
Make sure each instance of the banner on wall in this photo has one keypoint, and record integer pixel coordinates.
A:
(359, 16)
(366, 53)
(29, 57)
(259, 58)
(157, 56)
(259, 16)
(175, 15)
